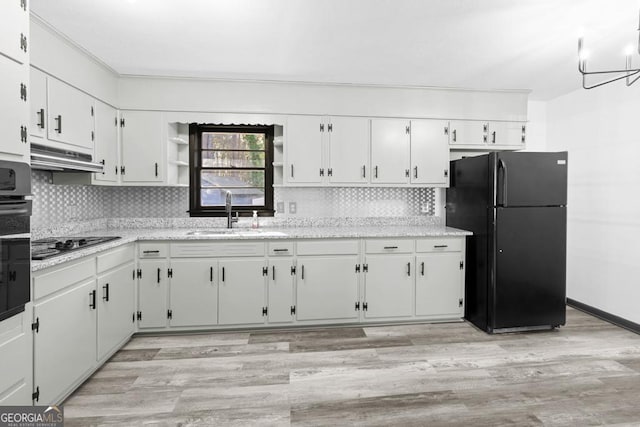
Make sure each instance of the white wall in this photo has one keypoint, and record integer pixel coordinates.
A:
(537, 126)
(601, 130)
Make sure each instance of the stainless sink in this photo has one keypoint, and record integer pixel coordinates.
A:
(236, 232)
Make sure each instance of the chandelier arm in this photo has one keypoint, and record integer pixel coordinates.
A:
(630, 70)
(630, 82)
(584, 84)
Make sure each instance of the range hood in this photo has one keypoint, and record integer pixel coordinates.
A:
(54, 159)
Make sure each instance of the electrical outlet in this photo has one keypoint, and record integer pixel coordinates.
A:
(72, 211)
(280, 207)
(293, 207)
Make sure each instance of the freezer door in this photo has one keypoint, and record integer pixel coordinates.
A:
(529, 286)
(530, 179)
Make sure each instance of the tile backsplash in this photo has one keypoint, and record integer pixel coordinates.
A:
(62, 204)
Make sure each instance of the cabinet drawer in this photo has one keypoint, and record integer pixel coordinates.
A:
(328, 247)
(152, 250)
(439, 244)
(115, 258)
(389, 246)
(51, 281)
(280, 249)
(216, 249)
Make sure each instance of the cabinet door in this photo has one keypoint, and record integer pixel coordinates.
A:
(14, 31)
(70, 115)
(116, 296)
(280, 290)
(152, 293)
(348, 150)
(390, 151)
(143, 150)
(388, 286)
(14, 108)
(38, 104)
(429, 152)
(242, 291)
(439, 284)
(193, 292)
(327, 288)
(304, 149)
(16, 340)
(106, 140)
(65, 344)
(507, 134)
(467, 132)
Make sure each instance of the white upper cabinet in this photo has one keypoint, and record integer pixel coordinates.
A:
(506, 135)
(467, 132)
(304, 150)
(70, 115)
(38, 105)
(106, 143)
(14, 109)
(143, 148)
(487, 135)
(348, 145)
(14, 30)
(390, 145)
(430, 152)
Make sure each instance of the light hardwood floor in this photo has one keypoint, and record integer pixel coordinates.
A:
(586, 373)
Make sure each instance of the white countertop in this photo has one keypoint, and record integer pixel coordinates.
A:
(183, 234)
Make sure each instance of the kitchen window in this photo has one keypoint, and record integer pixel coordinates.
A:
(236, 158)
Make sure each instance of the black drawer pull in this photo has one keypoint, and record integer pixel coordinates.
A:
(440, 246)
(281, 250)
(391, 247)
(211, 274)
(105, 288)
(92, 304)
(151, 252)
(408, 269)
(158, 275)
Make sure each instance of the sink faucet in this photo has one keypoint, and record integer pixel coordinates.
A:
(227, 208)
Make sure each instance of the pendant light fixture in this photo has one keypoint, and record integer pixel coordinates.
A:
(629, 73)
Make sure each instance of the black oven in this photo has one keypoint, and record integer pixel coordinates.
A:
(15, 250)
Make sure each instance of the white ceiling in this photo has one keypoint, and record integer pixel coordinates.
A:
(480, 44)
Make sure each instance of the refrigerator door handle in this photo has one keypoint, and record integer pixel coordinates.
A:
(503, 165)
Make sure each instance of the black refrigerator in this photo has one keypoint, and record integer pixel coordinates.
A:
(515, 205)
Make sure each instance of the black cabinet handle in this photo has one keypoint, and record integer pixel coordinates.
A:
(302, 271)
(156, 169)
(493, 137)
(223, 274)
(105, 296)
(211, 274)
(408, 269)
(59, 120)
(41, 118)
(440, 246)
(422, 268)
(274, 272)
(390, 247)
(281, 250)
(415, 172)
(292, 171)
(455, 137)
(150, 252)
(375, 172)
(364, 171)
(158, 275)
(92, 304)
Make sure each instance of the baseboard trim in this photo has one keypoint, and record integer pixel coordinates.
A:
(611, 318)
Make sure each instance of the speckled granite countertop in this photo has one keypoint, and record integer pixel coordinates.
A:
(183, 234)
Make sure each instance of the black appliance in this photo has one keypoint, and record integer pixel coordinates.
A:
(515, 205)
(15, 213)
(53, 246)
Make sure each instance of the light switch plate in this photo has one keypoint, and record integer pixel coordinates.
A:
(293, 207)
(280, 207)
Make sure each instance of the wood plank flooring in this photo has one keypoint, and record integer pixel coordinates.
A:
(586, 373)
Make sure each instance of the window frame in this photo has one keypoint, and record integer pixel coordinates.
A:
(195, 167)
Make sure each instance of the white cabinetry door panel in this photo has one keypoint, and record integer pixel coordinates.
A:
(280, 290)
(143, 149)
(506, 134)
(241, 291)
(327, 288)
(70, 117)
(388, 290)
(152, 293)
(116, 296)
(106, 143)
(303, 147)
(65, 344)
(14, 108)
(348, 150)
(14, 31)
(467, 132)
(193, 296)
(38, 104)
(439, 284)
(390, 151)
(16, 342)
(429, 152)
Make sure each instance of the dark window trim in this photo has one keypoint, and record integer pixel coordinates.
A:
(195, 147)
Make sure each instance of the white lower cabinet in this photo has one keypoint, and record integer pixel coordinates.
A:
(65, 342)
(152, 293)
(327, 288)
(439, 284)
(280, 290)
(242, 291)
(388, 286)
(193, 292)
(116, 296)
(16, 367)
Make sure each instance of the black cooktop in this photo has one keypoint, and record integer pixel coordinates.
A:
(54, 246)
